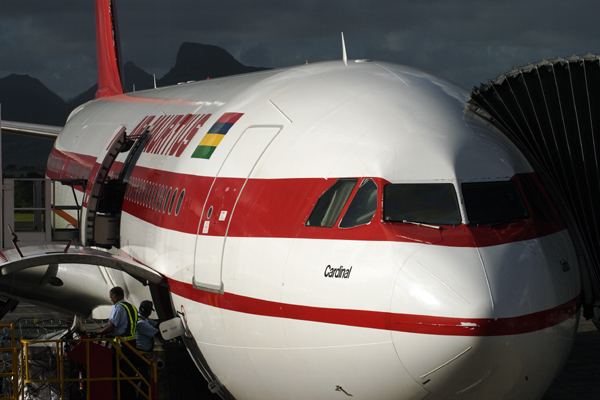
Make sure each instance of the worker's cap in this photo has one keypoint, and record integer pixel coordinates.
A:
(146, 306)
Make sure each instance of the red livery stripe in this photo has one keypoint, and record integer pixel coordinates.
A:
(276, 208)
(230, 118)
(423, 324)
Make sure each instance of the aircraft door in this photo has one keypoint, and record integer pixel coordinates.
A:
(220, 204)
(105, 194)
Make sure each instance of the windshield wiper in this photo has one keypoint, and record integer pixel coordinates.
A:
(439, 228)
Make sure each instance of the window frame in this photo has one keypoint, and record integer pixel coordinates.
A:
(352, 197)
(456, 197)
(318, 207)
(512, 183)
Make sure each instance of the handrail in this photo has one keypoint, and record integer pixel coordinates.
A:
(55, 208)
(118, 375)
(14, 362)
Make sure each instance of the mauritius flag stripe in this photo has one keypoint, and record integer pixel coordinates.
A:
(230, 117)
(211, 139)
(203, 152)
(215, 134)
(220, 127)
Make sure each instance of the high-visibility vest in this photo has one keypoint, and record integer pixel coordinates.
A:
(132, 313)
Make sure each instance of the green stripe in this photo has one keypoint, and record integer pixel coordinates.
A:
(204, 152)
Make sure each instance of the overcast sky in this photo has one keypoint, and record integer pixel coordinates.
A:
(463, 40)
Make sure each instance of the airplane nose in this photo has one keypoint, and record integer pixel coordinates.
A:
(493, 322)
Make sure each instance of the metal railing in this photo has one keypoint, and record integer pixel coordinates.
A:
(9, 370)
(32, 210)
(62, 211)
(85, 380)
(27, 209)
(56, 371)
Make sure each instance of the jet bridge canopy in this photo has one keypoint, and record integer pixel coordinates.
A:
(34, 256)
(551, 111)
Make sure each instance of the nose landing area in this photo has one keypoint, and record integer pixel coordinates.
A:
(500, 367)
(451, 340)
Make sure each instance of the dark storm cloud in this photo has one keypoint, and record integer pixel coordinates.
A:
(465, 41)
(55, 44)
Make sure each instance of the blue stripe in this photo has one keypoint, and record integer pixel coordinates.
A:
(220, 127)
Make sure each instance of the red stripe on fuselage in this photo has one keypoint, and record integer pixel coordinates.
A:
(277, 208)
(230, 118)
(423, 324)
(67, 165)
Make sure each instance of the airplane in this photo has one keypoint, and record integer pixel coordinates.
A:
(338, 229)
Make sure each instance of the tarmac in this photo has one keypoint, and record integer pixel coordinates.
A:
(579, 379)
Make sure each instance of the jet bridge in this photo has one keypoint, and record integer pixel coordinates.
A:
(31, 210)
(551, 111)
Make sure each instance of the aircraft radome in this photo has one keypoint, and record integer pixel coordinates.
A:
(337, 229)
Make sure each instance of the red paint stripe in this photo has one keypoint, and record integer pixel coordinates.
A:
(63, 164)
(261, 201)
(410, 323)
(423, 324)
(262, 211)
(230, 117)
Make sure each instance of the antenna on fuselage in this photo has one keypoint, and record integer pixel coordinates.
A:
(154, 75)
(344, 57)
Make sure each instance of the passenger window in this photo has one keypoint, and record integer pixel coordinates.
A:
(172, 202)
(166, 202)
(536, 199)
(330, 204)
(426, 203)
(161, 194)
(493, 202)
(154, 193)
(363, 205)
(179, 202)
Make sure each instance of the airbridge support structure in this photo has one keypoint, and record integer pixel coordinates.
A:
(551, 111)
(30, 209)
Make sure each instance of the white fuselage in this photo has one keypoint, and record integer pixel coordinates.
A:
(380, 310)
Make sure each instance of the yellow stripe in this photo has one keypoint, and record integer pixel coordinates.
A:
(131, 321)
(211, 139)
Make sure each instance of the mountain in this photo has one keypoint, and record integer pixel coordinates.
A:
(194, 62)
(137, 78)
(26, 99)
(134, 77)
(197, 62)
(83, 97)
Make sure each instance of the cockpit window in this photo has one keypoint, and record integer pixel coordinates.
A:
(540, 207)
(427, 203)
(330, 204)
(493, 202)
(363, 205)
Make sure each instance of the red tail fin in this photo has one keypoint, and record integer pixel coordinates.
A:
(109, 79)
